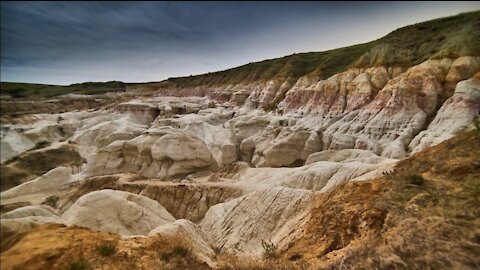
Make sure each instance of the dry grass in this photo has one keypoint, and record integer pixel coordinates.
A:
(230, 262)
(59, 247)
(398, 223)
(445, 37)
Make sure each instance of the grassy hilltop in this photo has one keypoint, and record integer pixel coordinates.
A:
(407, 46)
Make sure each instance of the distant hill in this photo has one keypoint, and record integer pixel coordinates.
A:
(30, 90)
(407, 46)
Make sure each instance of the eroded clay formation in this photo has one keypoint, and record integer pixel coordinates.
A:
(212, 166)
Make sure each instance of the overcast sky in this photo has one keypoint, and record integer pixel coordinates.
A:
(69, 42)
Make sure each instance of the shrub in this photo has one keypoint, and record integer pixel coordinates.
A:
(180, 251)
(51, 201)
(107, 248)
(416, 179)
(269, 250)
(472, 188)
(476, 123)
(165, 256)
(295, 257)
(80, 264)
(177, 251)
(40, 145)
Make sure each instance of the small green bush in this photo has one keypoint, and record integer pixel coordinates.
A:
(165, 256)
(476, 123)
(51, 201)
(80, 264)
(40, 145)
(180, 251)
(107, 248)
(295, 257)
(472, 188)
(177, 251)
(269, 250)
(416, 179)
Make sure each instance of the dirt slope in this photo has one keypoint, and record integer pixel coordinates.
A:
(424, 215)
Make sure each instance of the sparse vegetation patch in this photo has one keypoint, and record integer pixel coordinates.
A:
(107, 248)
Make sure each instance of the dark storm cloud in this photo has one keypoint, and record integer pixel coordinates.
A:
(66, 42)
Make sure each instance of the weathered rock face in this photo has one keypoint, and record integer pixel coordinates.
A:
(23, 219)
(209, 126)
(11, 109)
(456, 113)
(157, 153)
(321, 176)
(53, 180)
(141, 112)
(16, 139)
(390, 121)
(463, 68)
(278, 147)
(31, 211)
(101, 130)
(190, 201)
(347, 155)
(239, 226)
(190, 233)
(35, 163)
(337, 95)
(117, 212)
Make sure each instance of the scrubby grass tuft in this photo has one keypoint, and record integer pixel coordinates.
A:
(295, 257)
(471, 187)
(107, 248)
(79, 264)
(177, 251)
(165, 256)
(416, 179)
(180, 251)
(269, 250)
(51, 201)
(40, 145)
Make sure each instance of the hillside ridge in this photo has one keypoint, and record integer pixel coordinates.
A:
(406, 46)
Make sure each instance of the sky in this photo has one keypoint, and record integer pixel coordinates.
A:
(71, 42)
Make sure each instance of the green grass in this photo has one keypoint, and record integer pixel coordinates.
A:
(295, 257)
(269, 250)
(51, 201)
(165, 256)
(29, 90)
(177, 251)
(407, 46)
(180, 251)
(80, 264)
(40, 145)
(471, 187)
(416, 180)
(107, 248)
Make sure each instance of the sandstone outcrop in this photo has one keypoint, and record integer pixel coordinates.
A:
(20, 220)
(187, 232)
(456, 113)
(51, 181)
(117, 212)
(347, 155)
(320, 176)
(157, 153)
(35, 163)
(239, 226)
